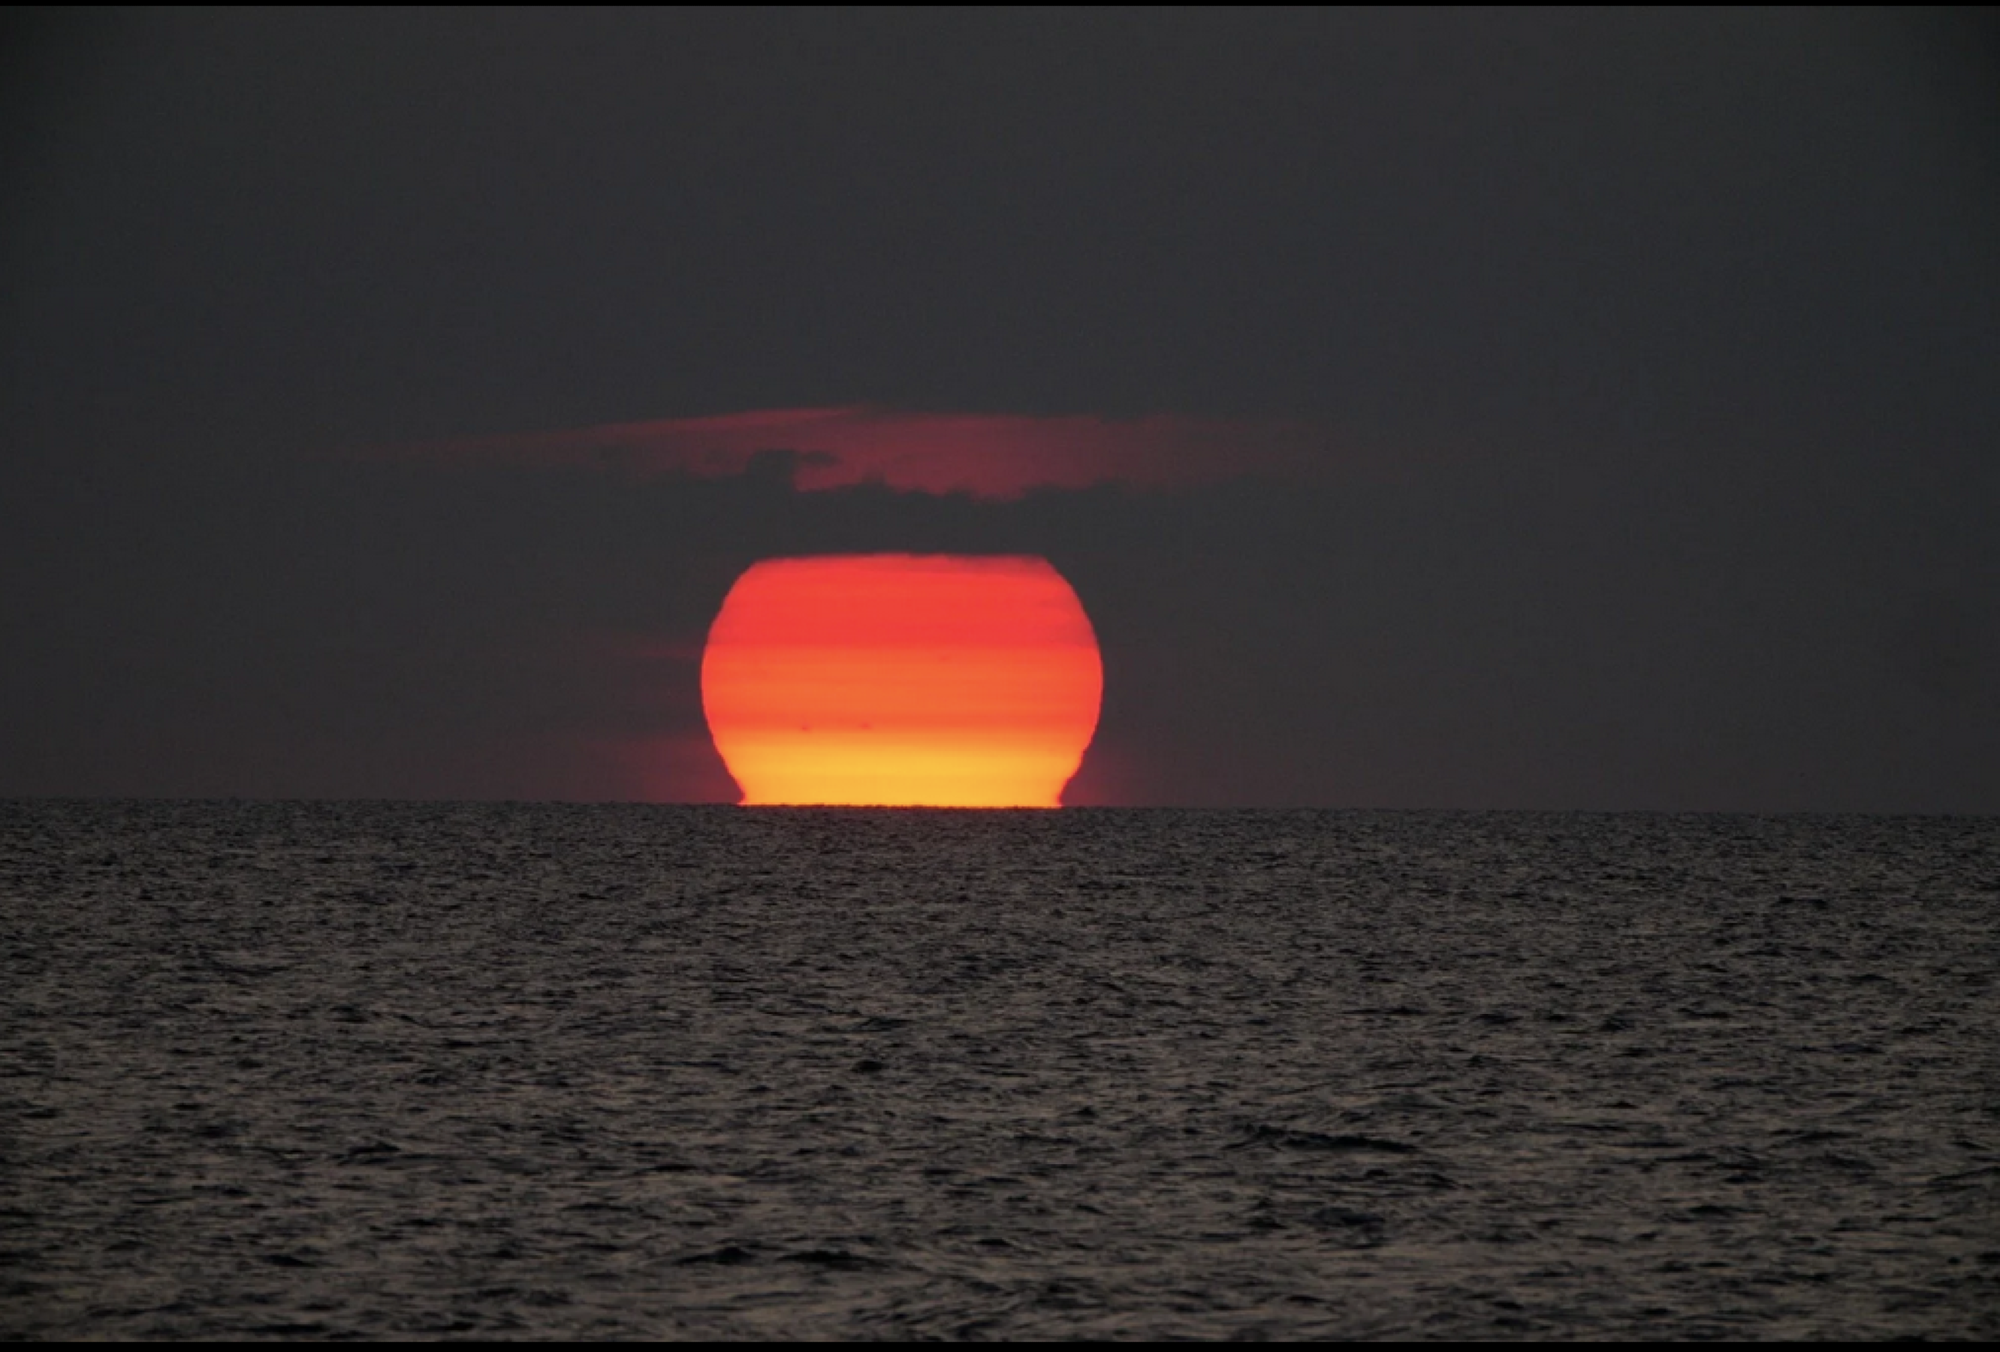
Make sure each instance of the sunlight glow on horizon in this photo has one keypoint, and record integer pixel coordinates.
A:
(902, 680)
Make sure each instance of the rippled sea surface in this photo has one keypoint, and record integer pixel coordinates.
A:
(367, 1070)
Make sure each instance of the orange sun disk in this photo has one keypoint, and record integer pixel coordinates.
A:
(902, 680)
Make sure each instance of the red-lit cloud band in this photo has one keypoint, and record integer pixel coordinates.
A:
(986, 455)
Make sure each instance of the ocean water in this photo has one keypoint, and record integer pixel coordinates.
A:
(372, 1070)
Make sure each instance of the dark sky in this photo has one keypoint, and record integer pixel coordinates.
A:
(1648, 365)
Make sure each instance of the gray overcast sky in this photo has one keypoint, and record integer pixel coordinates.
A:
(1649, 357)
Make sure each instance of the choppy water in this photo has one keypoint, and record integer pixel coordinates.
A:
(369, 1070)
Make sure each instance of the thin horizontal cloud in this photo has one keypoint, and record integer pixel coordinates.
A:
(987, 455)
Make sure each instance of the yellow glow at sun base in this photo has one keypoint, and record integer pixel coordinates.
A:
(902, 680)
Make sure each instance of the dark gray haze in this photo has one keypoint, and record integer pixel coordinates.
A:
(1655, 356)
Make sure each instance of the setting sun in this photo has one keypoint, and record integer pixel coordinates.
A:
(902, 680)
